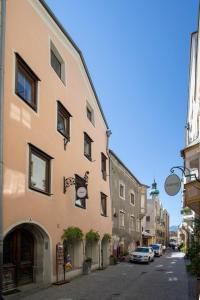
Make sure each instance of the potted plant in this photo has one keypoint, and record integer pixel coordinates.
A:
(92, 236)
(113, 259)
(87, 264)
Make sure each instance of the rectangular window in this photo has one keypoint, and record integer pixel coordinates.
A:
(57, 62)
(80, 201)
(148, 218)
(103, 205)
(132, 223)
(90, 113)
(63, 121)
(103, 166)
(87, 146)
(39, 170)
(132, 198)
(121, 219)
(26, 83)
(138, 225)
(122, 190)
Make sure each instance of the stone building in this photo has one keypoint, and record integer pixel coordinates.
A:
(128, 198)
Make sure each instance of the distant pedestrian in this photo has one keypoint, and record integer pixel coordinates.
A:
(163, 249)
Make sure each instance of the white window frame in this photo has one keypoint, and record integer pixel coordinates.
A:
(123, 214)
(121, 183)
(132, 217)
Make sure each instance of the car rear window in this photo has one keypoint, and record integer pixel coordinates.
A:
(156, 247)
(145, 250)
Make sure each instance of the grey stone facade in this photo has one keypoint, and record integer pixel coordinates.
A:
(127, 209)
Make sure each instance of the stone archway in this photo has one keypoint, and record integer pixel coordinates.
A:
(27, 257)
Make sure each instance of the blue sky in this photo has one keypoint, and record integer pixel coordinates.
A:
(137, 53)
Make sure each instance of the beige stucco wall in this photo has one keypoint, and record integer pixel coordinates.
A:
(29, 34)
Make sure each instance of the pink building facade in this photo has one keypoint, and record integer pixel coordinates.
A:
(55, 162)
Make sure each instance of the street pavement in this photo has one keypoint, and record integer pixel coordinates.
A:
(163, 279)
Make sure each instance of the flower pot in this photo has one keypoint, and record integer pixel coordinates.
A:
(87, 267)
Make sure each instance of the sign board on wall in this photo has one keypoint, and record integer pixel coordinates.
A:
(172, 184)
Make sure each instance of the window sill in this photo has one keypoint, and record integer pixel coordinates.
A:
(34, 107)
(79, 206)
(88, 157)
(40, 191)
(104, 215)
(65, 136)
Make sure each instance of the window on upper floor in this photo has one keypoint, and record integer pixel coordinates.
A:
(148, 218)
(57, 62)
(103, 205)
(132, 198)
(132, 223)
(26, 83)
(87, 146)
(39, 170)
(103, 166)
(63, 120)
(122, 190)
(121, 218)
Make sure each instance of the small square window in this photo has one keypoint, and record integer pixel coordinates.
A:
(87, 146)
(26, 83)
(39, 170)
(103, 166)
(63, 121)
(103, 205)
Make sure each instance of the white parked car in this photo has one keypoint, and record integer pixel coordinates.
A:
(157, 249)
(142, 254)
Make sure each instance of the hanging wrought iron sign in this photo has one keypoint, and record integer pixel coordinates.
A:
(80, 184)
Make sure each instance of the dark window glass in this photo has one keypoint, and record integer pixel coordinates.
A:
(63, 121)
(148, 218)
(87, 146)
(89, 114)
(103, 166)
(26, 83)
(56, 64)
(39, 170)
(132, 196)
(121, 191)
(103, 205)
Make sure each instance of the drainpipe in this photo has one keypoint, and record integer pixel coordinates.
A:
(2, 49)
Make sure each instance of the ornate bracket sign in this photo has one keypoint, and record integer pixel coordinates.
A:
(172, 184)
(81, 190)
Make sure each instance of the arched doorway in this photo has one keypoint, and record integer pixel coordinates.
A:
(26, 256)
(19, 252)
